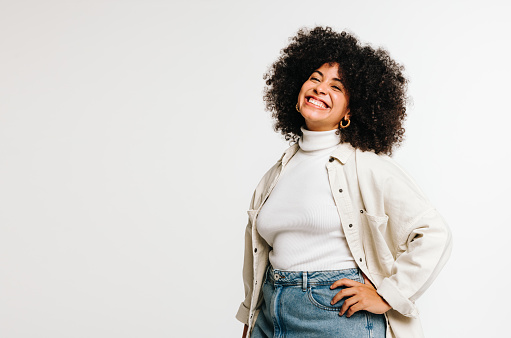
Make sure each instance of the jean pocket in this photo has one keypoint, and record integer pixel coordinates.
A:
(321, 296)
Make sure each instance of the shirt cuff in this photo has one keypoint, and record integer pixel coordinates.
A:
(393, 296)
(242, 314)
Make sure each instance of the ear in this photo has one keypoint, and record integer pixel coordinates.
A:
(347, 115)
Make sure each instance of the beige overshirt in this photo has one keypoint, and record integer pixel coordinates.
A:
(396, 236)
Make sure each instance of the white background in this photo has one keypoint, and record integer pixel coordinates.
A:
(132, 134)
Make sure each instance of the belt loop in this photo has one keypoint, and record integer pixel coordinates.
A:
(304, 281)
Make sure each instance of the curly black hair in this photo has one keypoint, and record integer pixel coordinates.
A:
(374, 82)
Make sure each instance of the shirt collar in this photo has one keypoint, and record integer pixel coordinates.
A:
(289, 153)
(343, 152)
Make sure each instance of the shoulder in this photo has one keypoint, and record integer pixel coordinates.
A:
(381, 172)
(378, 166)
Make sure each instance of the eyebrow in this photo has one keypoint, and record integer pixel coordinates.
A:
(336, 79)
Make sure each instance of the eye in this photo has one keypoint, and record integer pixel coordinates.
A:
(337, 88)
(314, 79)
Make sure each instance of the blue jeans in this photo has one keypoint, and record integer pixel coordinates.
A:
(297, 304)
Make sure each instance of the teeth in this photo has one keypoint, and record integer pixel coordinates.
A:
(317, 103)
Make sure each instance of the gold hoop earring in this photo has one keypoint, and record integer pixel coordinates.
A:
(297, 109)
(346, 125)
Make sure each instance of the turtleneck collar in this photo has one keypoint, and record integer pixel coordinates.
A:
(318, 140)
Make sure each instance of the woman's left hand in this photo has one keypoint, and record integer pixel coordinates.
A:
(361, 297)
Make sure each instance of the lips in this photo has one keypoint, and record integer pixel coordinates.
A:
(316, 102)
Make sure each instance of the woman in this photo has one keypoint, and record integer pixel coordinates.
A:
(340, 241)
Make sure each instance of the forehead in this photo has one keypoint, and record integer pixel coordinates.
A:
(329, 70)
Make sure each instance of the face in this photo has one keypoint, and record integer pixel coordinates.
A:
(323, 101)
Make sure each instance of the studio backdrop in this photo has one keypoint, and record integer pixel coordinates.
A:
(132, 135)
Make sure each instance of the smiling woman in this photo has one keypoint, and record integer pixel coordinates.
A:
(322, 100)
(370, 78)
(340, 241)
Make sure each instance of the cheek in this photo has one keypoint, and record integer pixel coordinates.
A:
(341, 102)
(301, 94)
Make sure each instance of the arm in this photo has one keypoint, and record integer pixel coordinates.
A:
(415, 233)
(425, 245)
(422, 252)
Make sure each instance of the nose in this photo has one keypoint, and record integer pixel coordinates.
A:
(320, 88)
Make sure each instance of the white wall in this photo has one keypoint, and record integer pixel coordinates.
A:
(132, 134)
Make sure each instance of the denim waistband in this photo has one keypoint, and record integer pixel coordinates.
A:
(305, 278)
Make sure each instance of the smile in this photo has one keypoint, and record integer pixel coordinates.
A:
(317, 103)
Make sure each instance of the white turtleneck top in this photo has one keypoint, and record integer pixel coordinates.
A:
(299, 219)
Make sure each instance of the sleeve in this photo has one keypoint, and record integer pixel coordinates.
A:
(248, 265)
(421, 240)
(422, 253)
(248, 277)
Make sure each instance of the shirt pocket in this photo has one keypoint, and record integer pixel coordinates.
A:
(379, 257)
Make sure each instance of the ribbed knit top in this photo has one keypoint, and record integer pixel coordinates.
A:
(300, 220)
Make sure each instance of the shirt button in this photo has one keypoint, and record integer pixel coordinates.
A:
(255, 250)
(361, 211)
(331, 159)
(350, 225)
(361, 259)
(340, 190)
